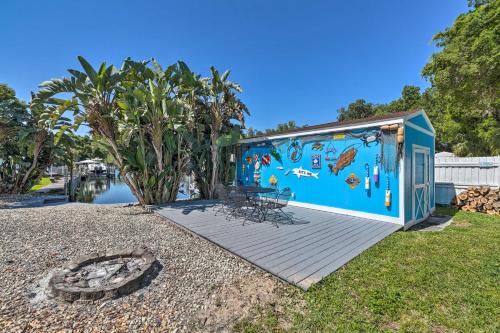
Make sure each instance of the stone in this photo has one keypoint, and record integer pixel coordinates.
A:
(97, 276)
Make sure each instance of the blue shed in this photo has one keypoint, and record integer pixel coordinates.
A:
(380, 168)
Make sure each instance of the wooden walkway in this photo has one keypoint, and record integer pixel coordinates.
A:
(302, 253)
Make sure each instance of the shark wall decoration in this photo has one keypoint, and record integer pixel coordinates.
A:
(300, 172)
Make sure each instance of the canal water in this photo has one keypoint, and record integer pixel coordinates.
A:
(110, 190)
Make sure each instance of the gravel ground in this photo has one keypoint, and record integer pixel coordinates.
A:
(199, 288)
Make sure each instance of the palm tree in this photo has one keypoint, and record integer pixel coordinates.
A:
(217, 107)
(138, 115)
(94, 100)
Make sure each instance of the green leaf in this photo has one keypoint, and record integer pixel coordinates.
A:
(140, 158)
(89, 70)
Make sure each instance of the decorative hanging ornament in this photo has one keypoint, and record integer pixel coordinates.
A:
(256, 178)
(317, 146)
(273, 180)
(294, 151)
(266, 159)
(352, 181)
(375, 170)
(388, 194)
(316, 161)
(330, 152)
(367, 177)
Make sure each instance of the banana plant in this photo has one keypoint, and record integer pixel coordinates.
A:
(93, 100)
(160, 122)
(217, 108)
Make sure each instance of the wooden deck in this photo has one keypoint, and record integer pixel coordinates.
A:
(302, 253)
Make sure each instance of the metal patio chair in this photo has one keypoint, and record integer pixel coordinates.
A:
(223, 196)
(274, 208)
(237, 203)
(256, 207)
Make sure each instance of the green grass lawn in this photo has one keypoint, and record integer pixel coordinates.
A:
(42, 183)
(445, 281)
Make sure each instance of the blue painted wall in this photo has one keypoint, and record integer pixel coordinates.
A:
(329, 189)
(412, 137)
(420, 121)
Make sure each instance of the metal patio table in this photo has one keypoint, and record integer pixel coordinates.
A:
(254, 190)
(251, 193)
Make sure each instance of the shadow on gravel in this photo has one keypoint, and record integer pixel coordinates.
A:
(32, 204)
(148, 279)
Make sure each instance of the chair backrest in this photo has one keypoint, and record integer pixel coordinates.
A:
(284, 195)
(221, 192)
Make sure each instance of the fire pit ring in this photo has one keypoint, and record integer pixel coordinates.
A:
(103, 275)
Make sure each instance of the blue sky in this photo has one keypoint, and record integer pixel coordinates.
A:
(296, 60)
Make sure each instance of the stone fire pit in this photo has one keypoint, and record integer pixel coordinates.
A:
(103, 275)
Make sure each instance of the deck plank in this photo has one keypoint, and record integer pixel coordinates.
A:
(303, 253)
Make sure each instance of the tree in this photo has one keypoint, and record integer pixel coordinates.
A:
(157, 126)
(219, 115)
(27, 143)
(93, 100)
(356, 110)
(137, 115)
(89, 147)
(280, 128)
(410, 99)
(465, 74)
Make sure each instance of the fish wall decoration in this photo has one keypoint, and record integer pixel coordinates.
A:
(352, 181)
(345, 159)
(287, 172)
(276, 154)
(300, 172)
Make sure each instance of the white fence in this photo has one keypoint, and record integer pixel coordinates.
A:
(455, 174)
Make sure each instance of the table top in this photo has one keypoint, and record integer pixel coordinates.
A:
(256, 189)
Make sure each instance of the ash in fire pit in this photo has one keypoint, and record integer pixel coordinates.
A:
(103, 275)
